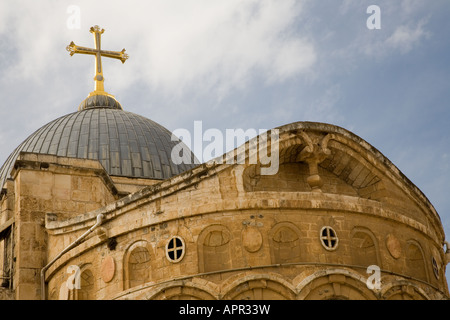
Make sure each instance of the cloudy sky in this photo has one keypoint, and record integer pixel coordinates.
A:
(244, 64)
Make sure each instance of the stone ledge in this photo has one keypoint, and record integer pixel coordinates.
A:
(56, 164)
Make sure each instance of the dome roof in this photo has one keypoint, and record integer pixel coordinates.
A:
(126, 144)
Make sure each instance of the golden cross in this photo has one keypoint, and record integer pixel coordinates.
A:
(98, 53)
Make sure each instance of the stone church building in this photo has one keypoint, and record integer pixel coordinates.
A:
(93, 207)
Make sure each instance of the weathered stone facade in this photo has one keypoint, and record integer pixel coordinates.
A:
(224, 231)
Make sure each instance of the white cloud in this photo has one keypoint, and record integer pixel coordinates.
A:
(180, 51)
(174, 45)
(223, 45)
(405, 38)
(409, 7)
(292, 58)
(399, 40)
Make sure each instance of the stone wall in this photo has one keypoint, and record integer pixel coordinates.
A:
(251, 244)
(61, 187)
(224, 231)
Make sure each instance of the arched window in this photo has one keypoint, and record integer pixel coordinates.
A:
(214, 249)
(364, 249)
(285, 243)
(415, 261)
(260, 289)
(137, 266)
(86, 291)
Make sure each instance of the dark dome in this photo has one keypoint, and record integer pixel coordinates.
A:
(126, 144)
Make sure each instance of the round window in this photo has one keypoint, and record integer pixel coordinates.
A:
(328, 238)
(175, 249)
(435, 267)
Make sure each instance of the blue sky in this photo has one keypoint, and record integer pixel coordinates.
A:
(245, 64)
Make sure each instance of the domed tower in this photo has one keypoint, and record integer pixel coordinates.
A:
(101, 150)
(126, 144)
(93, 208)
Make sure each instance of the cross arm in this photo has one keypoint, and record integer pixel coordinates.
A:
(120, 55)
(73, 48)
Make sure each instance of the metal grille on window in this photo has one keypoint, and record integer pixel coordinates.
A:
(328, 238)
(175, 249)
(435, 267)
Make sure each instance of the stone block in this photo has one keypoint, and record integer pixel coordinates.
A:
(78, 195)
(40, 191)
(63, 181)
(63, 194)
(25, 291)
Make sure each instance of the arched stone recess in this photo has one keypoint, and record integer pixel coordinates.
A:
(348, 162)
(290, 177)
(316, 161)
(87, 289)
(403, 290)
(214, 249)
(334, 284)
(137, 264)
(182, 290)
(80, 283)
(258, 287)
(324, 150)
(364, 248)
(285, 243)
(416, 266)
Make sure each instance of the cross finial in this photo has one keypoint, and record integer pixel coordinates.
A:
(98, 53)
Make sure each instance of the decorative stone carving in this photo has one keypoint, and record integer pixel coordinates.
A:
(313, 154)
(108, 269)
(251, 239)
(447, 252)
